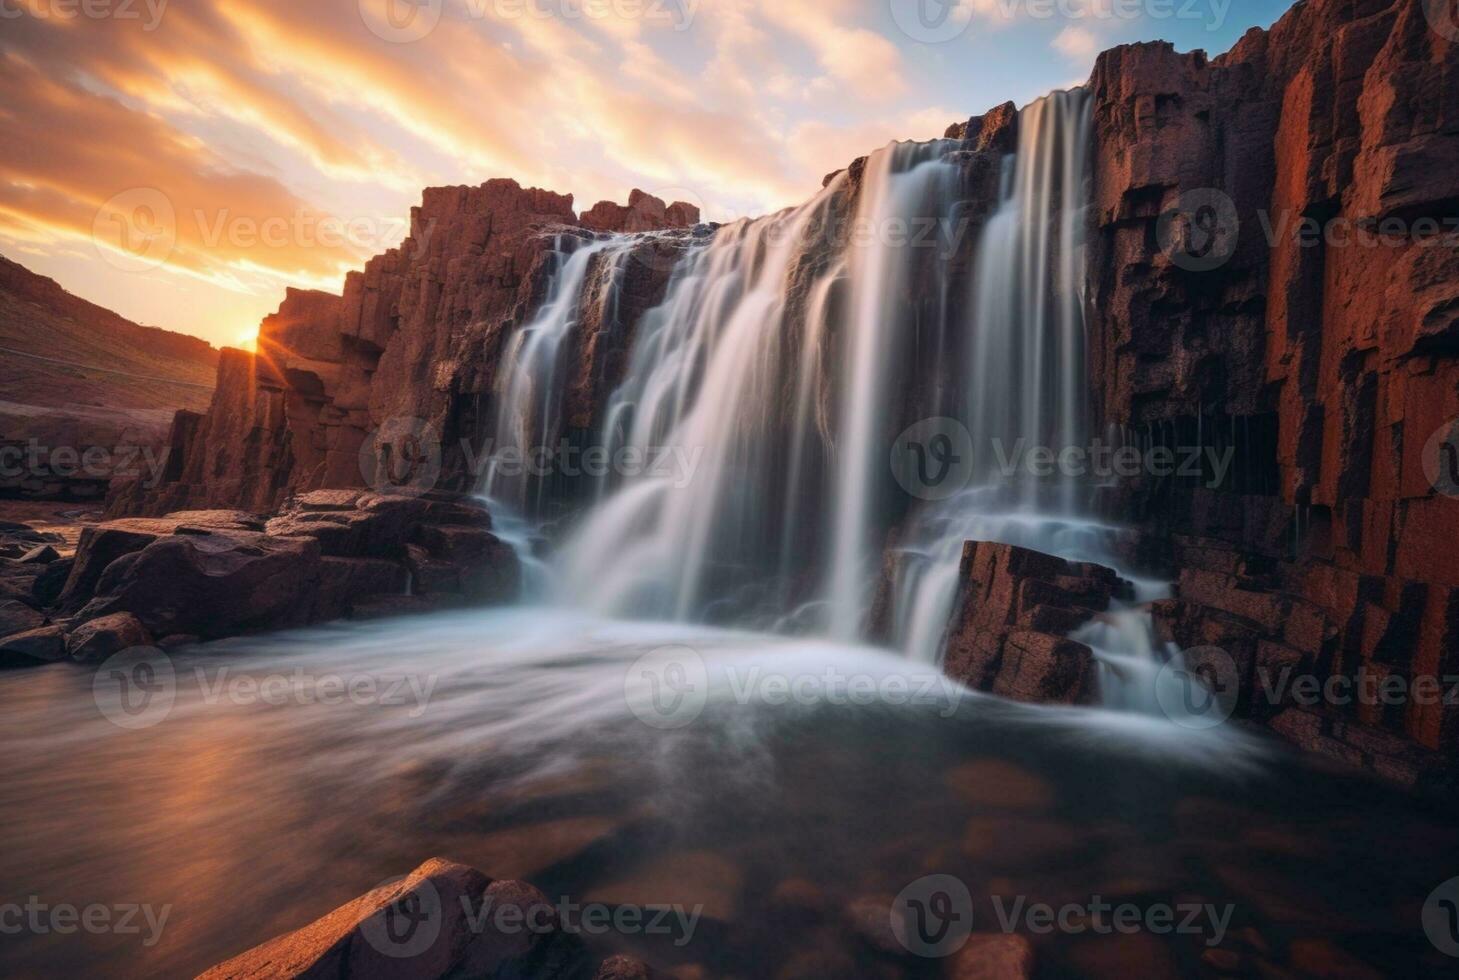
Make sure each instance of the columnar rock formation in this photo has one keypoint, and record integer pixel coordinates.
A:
(414, 340)
(1322, 351)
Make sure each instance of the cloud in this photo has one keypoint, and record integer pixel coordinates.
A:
(1078, 43)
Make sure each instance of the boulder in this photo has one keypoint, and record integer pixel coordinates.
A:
(345, 582)
(216, 583)
(98, 547)
(17, 617)
(47, 586)
(42, 555)
(442, 920)
(625, 968)
(1018, 607)
(98, 639)
(994, 956)
(37, 646)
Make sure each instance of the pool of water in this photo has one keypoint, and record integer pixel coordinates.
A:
(769, 790)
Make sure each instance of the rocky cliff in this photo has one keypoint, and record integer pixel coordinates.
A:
(1276, 273)
(1273, 277)
(414, 342)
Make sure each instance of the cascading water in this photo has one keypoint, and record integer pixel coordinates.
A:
(529, 385)
(788, 353)
(772, 366)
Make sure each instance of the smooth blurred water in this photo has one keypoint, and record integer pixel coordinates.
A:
(541, 752)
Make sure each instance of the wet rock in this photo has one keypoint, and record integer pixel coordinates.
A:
(17, 617)
(1009, 843)
(687, 879)
(216, 583)
(992, 957)
(998, 783)
(37, 646)
(522, 852)
(1018, 606)
(94, 641)
(47, 586)
(98, 547)
(625, 968)
(42, 555)
(871, 919)
(415, 929)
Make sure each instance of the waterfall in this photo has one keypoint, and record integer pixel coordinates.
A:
(1026, 385)
(777, 362)
(530, 381)
(775, 375)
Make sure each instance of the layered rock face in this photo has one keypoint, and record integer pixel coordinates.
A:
(1011, 635)
(414, 342)
(1276, 275)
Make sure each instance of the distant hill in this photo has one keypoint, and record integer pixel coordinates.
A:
(74, 375)
(57, 350)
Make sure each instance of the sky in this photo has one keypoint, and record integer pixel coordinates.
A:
(184, 161)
